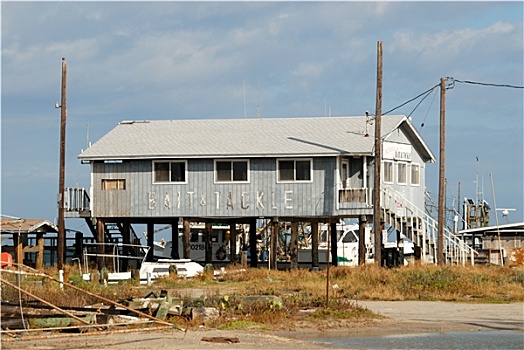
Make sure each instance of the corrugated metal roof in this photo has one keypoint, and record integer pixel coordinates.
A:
(271, 137)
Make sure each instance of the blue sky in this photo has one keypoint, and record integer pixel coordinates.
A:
(192, 60)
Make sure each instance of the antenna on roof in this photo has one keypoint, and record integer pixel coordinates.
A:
(258, 102)
(245, 112)
(87, 136)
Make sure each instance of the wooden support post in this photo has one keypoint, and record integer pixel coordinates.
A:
(253, 242)
(40, 255)
(314, 244)
(175, 245)
(185, 239)
(334, 245)
(18, 248)
(233, 242)
(208, 244)
(126, 239)
(362, 223)
(100, 228)
(79, 244)
(274, 244)
(150, 240)
(293, 246)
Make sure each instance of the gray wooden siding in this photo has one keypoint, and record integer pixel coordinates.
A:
(201, 197)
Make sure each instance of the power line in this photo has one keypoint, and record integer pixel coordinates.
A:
(418, 104)
(450, 85)
(413, 99)
(487, 84)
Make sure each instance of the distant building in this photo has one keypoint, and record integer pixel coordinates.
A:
(495, 242)
(28, 238)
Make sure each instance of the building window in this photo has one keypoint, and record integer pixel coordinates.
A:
(173, 171)
(402, 173)
(388, 172)
(111, 184)
(231, 171)
(415, 174)
(294, 170)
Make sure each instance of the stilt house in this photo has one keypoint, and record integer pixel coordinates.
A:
(239, 170)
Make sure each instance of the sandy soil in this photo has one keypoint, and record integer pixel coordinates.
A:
(402, 317)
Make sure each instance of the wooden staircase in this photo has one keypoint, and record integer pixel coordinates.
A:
(416, 224)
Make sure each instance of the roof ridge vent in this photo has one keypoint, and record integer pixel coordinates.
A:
(133, 121)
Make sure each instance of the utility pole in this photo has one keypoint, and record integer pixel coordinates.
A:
(377, 224)
(442, 172)
(61, 183)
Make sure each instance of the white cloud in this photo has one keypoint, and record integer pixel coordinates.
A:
(447, 44)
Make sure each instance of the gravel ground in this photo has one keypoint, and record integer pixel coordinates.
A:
(402, 317)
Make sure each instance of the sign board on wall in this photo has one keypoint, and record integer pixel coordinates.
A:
(396, 151)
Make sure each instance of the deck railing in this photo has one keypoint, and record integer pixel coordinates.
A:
(76, 199)
(358, 195)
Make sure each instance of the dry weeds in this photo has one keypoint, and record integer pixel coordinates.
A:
(299, 290)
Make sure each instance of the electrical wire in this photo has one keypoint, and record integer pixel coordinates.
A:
(429, 108)
(422, 100)
(413, 99)
(451, 84)
(487, 84)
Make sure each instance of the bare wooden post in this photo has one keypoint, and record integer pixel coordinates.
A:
(294, 245)
(327, 263)
(253, 242)
(442, 176)
(334, 245)
(362, 222)
(100, 228)
(378, 160)
(40, 255)
(126, 239)
(274, 243)
(18, 248)
(314, 244)
(150, 240)
(208, 243)
(185, 239)
(175, 246)
(233, 242)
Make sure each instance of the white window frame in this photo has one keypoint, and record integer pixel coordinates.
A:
(232, 162)
(391, 172)
(411, 174)
(403, 181)
(169, 175)
(344, 173)
(294, 160)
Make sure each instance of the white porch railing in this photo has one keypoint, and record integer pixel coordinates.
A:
(426, 229)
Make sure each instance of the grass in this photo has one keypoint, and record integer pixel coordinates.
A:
(297, 290)
(242, 325)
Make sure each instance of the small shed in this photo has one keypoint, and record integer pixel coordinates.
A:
(20, 231)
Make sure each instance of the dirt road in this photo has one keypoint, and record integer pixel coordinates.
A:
(402, 317)
(449, 315)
